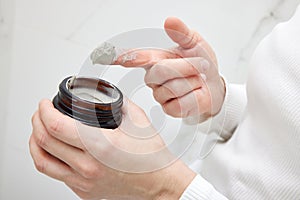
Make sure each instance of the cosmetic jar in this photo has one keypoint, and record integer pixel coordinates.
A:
(92, 101)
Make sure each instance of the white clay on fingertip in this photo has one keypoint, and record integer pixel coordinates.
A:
(105, 54)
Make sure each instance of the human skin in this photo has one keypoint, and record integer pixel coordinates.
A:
(60, 151)
(185, 79)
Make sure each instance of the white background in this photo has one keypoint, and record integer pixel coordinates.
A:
(43, 41)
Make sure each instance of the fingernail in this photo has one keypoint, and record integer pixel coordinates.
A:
(205, 65)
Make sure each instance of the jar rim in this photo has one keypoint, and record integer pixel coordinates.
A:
(104, 115)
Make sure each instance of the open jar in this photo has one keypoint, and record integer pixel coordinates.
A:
(94, 102)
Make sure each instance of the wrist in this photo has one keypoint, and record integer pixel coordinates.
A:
(177, 178)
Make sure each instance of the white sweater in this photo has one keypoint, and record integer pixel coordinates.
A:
(262, 158)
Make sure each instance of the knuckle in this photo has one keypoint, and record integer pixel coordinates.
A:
(86, 186)
(89, 171)
(42, 140)
(80, 183)
(192, 39)
(174, 86)
(191, 69)
(160, 70)
(163, 63)
(56, 126)
(156, 95)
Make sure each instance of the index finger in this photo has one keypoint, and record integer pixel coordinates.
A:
(144, 57)
(177, 31)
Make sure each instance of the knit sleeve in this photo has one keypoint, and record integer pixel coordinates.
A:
(200, 189)
(230, 115)
(227, 120)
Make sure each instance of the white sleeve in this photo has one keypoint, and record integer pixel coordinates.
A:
(200, 189)
(227, 120)
(230, 115)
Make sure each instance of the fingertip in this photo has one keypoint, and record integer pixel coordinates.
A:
(45, 103)
(179, 32)
(48, 112)
(174, 23)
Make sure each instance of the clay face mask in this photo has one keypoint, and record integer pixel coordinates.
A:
(105, 54)
(93, 95)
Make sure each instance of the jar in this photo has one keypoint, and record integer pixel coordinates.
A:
(92, 101)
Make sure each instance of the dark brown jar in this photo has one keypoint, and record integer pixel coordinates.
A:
(94, 102)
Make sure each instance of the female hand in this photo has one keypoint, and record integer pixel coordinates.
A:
(185, 79)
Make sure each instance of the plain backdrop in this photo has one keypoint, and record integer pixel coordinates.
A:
(43, 41)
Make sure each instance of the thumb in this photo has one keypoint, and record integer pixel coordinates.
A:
(180, 33)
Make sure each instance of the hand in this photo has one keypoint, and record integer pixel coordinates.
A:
(185, 79)
(100, 163)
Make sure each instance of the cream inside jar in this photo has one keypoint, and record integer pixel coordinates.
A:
(92, 101)
(92, 94)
